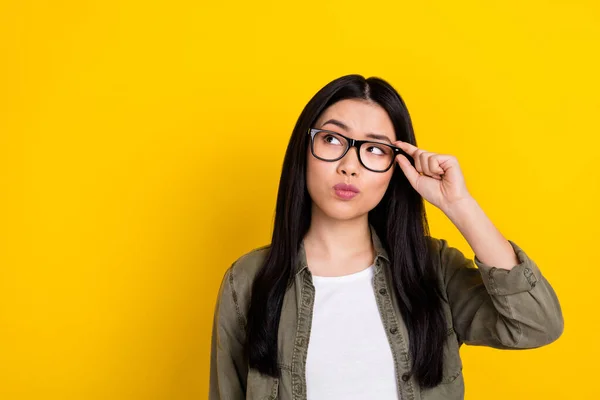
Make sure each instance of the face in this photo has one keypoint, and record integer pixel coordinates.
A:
(357, 119)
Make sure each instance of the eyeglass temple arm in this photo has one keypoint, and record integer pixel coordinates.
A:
(398, 150)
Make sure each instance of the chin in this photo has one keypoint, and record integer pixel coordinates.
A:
(342, 211)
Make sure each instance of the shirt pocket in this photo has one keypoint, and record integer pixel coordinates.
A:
(260, 386)
(452, 361)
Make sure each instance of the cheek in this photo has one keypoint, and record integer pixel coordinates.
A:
(317, 169)
(320, 176)
(378, 185)
(313, 175)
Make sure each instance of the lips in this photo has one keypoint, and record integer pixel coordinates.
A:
(346, 188)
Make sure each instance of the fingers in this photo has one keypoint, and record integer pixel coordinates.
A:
(412, 151)
(409, 171)
(424, 157)
(426, 163)
(407, 147)
(434, 168)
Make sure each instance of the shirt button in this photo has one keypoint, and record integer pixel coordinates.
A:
(393, 330)
(405, 377)
(382, 291)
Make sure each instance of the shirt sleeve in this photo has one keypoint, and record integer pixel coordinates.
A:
(228, 368)
(500, 308)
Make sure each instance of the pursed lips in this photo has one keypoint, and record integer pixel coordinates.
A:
(346, 188)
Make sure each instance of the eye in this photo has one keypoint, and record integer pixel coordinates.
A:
(376, 150)
(331, 139)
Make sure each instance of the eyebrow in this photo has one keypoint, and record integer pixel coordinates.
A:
(345, 127)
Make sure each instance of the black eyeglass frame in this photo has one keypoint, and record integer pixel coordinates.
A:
(354, 143)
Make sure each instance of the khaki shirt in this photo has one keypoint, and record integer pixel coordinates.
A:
(484, 306)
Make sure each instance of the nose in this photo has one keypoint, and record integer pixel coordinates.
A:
(349, 164)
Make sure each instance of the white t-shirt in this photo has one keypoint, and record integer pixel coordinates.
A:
(349, 356)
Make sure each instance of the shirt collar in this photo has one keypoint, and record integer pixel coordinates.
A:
(380, 251)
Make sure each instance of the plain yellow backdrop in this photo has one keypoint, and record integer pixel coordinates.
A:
(140, 150)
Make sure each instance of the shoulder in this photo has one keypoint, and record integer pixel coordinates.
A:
(244, 268)
(440, 248)
(239, 277)
(447, 259)
(434, 242)
(436, 247)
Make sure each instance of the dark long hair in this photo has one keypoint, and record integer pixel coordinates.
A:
(399, 220)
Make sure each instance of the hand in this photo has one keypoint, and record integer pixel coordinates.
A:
(436, 177)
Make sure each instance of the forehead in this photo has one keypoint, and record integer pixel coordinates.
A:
(360, 116)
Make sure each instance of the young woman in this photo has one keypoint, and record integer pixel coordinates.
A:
(353, 299)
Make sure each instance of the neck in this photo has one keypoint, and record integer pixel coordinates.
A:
(335, 240)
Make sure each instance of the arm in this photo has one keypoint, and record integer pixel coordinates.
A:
(506, 302)
(228, 368)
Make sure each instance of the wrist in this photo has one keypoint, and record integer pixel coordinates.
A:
(461, 208)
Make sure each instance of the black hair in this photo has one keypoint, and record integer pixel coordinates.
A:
(399, 221)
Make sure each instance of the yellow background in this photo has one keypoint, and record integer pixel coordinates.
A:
(140, 150)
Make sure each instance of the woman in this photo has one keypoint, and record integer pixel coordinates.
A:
(353, 299)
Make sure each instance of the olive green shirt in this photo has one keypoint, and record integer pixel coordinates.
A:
(486, 306)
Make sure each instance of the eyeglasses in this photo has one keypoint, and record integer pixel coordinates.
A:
(332, 146)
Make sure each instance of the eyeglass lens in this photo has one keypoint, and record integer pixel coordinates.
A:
(330, 146)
